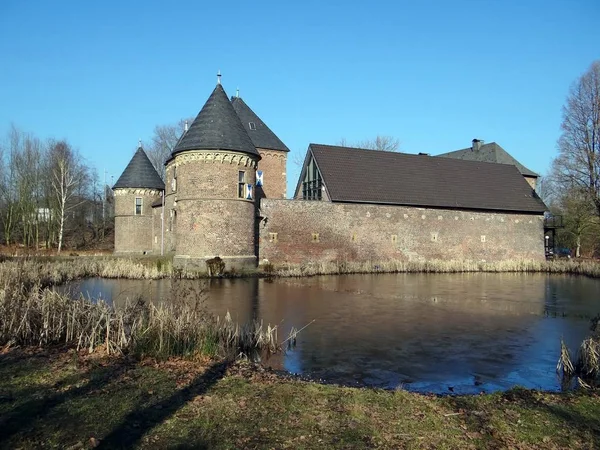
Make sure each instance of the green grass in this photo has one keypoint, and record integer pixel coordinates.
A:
(59, 398)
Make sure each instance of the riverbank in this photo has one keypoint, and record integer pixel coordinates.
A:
(62, 398)
(53, 270)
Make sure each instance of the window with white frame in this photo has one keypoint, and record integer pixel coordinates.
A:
(241, 184)
(138, 206)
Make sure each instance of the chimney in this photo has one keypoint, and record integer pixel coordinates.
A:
(476, 144)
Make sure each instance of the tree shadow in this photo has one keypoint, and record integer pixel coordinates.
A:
(23, 416)
(527, 400)
(139, 422)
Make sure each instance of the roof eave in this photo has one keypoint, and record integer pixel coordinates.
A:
(453, 208)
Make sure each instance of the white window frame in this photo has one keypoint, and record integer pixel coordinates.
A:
(135, 206)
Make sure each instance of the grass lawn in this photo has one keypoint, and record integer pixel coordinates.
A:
(59, 398)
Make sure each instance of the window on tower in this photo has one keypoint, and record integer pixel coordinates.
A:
(241, 184)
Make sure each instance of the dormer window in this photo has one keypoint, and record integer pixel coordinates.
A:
(252, 125)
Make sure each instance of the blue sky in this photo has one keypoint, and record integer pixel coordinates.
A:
(434, 74)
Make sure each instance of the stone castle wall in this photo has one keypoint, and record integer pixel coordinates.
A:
(297, 231)
(204, 215)
(273, 165)
(134, 233)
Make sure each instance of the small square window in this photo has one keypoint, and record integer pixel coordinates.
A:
(138, 206)
(315, 237)
(252, 125)
(273, 237)
(434, 237)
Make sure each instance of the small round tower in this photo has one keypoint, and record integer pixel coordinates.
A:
(138, 187)
(210, 196)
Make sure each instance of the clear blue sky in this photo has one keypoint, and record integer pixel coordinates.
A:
(434, 74)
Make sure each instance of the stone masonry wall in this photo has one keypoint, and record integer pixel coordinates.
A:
(133, 233)
(273, 165)
(297, 231)
(204, 216)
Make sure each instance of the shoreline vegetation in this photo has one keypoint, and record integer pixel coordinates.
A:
(173, 375)
(54, 270)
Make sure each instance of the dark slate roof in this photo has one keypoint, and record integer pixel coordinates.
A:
(261, 135)
(217, 127)
(367, 176)
(140, 173)
(491, 152)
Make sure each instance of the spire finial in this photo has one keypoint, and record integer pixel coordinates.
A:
(139, 143)
(237, 92)
(219, 77)
(186, 126)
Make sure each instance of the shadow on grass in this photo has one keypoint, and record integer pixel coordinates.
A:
(565, 411)
(139, 422)
(23, 416)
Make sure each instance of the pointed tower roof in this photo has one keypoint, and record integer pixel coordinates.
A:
(140, 173)
(217, 127)
(259, 132)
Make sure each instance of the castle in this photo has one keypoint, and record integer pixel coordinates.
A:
(225, 195)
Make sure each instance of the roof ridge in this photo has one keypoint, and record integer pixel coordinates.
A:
(258, 131)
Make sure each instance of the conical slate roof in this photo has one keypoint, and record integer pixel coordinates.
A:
(259, 132)
(140, 173)
(217, 127)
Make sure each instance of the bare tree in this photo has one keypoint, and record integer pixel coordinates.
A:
(580, 218)
(163, 141)
(578, 162)
(67, 173)
(381, 143)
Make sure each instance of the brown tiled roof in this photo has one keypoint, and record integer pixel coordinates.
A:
(369, 176)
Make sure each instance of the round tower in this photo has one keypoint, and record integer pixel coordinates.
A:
(136, 190)
(210, 196)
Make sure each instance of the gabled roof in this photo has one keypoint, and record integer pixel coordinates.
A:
(491, 152)
(217, 127)
(140, 173)
(260, 133)
(367, 176)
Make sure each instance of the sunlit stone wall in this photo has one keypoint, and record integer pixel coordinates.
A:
(297, 231)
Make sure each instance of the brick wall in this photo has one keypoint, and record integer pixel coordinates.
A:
(298, 231)
(204, 217)
(134, 233)
(273, 165)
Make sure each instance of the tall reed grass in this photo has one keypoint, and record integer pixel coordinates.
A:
(53, 271)
(588, 268)
(31, 314)
(586, 367)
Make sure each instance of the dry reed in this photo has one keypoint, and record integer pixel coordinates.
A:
(35, 315)
(588, 268)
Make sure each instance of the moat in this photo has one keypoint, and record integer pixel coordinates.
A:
(443, 333)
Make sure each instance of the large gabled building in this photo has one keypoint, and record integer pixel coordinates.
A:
(224, 195)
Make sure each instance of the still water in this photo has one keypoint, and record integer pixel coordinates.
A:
(461, 333)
